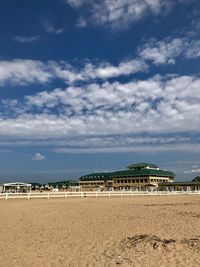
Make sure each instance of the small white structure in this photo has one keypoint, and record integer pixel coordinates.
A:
(55, 190)
(17, 187)
(75, 188)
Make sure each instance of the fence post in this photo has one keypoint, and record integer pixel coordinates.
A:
(65, 194)
(48, 195)
(109, 193)
(6, 196)
(28, 195)
(121, 193)
(96, 194)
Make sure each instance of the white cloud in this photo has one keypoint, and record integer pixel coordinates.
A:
(193, 171)
(158, 52)
(108, 117)
(157, 105)
(21, 72)
(162, 52)
(98, 142)
(122, 13)
(26, 39)
(50, 28)
(168, 50)
(106, 70)
(38, 156)
(65, 71)
(75, 3)
(119, 14)
(141, 149)
(193, 49)
(91, 71)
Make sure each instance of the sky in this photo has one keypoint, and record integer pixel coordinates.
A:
(95, 85)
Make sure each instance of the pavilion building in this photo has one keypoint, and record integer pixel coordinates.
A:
(16, 187)
(96, 181)
(141, 176)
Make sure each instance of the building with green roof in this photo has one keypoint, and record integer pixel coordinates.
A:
(196, 179)
(143, 165)
(180, 186)
(96, 181)
(141, 176)
(138, 176)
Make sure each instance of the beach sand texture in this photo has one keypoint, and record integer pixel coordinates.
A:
(137, 231)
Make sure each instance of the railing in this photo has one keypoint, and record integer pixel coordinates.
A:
(94, 194)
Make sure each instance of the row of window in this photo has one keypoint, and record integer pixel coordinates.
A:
(141, 176)
(139, 181)
(131, 181)
(124, 181)
(88, 184)
(94, 176)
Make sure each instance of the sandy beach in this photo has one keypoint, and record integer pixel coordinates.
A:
(137, 231)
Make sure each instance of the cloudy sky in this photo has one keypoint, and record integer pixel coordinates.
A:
(91, 85)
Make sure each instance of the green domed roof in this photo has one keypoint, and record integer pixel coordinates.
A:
(134, 170)
(96, 176)
(196, 179)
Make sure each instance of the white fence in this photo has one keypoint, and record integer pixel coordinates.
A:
(96, 194)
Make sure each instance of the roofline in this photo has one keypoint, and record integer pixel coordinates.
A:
(110, 175)
(127, 173)
(16, 183)
(140, 164)
(179, 183)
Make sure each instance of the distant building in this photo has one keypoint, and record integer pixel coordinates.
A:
(96, 181)
(180, 186)
(139, 176)
(16, 187)
(196, 179)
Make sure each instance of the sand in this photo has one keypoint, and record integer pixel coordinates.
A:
(137, 231)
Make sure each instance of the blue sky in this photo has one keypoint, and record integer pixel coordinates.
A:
(91, 86)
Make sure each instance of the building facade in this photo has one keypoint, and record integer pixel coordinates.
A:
(96, 182)
(141, 176)
(16, 187)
